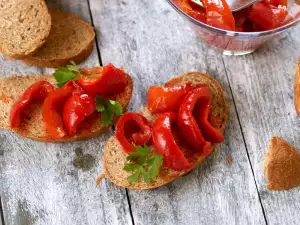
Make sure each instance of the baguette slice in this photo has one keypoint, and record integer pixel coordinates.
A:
(24, 27)
(70, 38)
(282, 165)
(297, 88)
(115, 158)
(32, 124)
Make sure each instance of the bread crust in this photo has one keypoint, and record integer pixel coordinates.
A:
(297, 88)
(115, 158)
(281, 165)
(42, 59)
(33, 126)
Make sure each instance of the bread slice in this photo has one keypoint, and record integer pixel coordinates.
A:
(282, 165)
(32, 125)
(70, 38)
(115, 158)
(297, 88)
(24, 27)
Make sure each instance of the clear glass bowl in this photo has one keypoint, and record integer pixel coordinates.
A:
(230, 42)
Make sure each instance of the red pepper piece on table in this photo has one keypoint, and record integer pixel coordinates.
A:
(211, 134)
(267, 16)
(53, 106)
(132, 128)
(76, 109)
(163, 99)
(35, 92)
(103, 81)
(218, 14)
(186, 122)
(165, 144)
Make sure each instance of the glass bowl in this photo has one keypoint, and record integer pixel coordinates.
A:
(230, 42)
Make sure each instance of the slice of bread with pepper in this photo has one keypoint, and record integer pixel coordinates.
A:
(71, 38)
(32, 125)
(24, 27)
(115, 158)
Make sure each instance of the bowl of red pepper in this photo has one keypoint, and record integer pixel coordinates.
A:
(241, 32)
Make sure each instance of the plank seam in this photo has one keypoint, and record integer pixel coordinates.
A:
(96, 40)
(101, 64)
(1, 212)
(129, 204)
(244, 140)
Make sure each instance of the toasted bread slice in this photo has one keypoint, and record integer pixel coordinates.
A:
(282, 165)
(297, 88)
(32, 125)
(115, 158)
(24, 27)
(70, 38)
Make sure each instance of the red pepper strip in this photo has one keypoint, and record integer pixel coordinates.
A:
(132, 128)
(76, 109)
(267, 16)
(103, 81)
(186, 121)
(53, 106)
(211, 134)
(35, 92)
(218, 14)
(165, 144)
(163, 99)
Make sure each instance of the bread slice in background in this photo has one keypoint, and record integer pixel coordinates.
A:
(297, 88)
(32, 125)
(115, 158)
(71, 38)
(282, 165)
(24, 27)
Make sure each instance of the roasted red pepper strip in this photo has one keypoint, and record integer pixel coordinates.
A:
(218, 14)
(186, 121)
(103, 81)
(132, 128)
(76, 109)
(165, 144)
(163, 99)
(267, 16)
(53, 106)
(211, 134)
(35, 92)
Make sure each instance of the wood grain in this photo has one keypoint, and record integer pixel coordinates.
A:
(153, 44)
(55, 183)
(262, 85)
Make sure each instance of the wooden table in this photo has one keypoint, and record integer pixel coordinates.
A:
(55, 183)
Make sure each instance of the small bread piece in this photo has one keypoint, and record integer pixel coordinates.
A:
(33, 125)
(24, 27)
(115, 158)
(282, 165)
(70, 38)
(297, 88)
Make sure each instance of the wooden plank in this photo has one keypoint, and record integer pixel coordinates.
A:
(153, 44)
(262, 85)
(55, 183)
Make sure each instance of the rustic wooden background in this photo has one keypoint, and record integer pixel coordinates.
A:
(55, 183)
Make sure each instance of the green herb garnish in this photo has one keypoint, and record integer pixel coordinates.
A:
(64, 74)
(108, 109)
(143, 163)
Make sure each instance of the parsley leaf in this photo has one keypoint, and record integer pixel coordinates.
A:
(143, 163)
(64, 74)
(108, 109)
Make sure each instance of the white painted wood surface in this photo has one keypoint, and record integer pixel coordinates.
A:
(43, 184)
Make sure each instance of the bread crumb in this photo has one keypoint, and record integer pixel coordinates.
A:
(5, 99)
(99, 178)
(228, 159)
